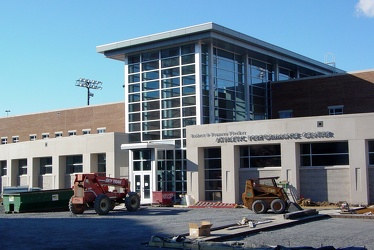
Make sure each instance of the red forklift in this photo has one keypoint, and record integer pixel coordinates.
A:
(92, 191)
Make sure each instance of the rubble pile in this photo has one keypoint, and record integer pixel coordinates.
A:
(307, 202)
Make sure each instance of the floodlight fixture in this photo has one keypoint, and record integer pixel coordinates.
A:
(7, 112)
(88, 84)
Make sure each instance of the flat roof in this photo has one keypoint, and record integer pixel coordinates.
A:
(210, 30)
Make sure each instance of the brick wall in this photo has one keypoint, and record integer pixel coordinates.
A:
(311, 97)
(110, 116)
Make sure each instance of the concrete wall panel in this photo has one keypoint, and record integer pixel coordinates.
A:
(321, 184)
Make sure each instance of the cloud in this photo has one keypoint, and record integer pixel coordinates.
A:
(365, 8)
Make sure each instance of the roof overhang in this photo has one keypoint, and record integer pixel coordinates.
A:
(213, 32)
(165, 144)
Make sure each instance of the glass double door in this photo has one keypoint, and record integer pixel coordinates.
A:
(143, 186)
(142, 161)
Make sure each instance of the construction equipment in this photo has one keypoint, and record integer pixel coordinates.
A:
(262, 194)
(92, 190)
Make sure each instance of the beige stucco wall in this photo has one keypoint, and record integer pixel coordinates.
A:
(58, 148)
(350, 183)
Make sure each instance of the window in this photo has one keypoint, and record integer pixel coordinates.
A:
(3, 168)
(285, 113)
(45, 135)
(72, 132)
(32, 137)
(4, 140)
(142, 160)
(22, 167)
(45, 165)
(86, 131)
(259, 156)
(324, 153)
(336, 110)
(58, 134)
(165, 170)
(74, 164)
(371, 152)
(101, 163)
(101, 130)
(15, 139)
(213, 174)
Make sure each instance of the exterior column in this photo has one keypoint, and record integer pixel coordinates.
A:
(359, 181)
(195, 173)
(13, 172)
(92, 163)
(247, 86)
(59, 171)
(211, 84)
(290, 166)
(112, 161)
(276, 71)
(198, 81)
(86, 161)
(33, 171)
(230, 174)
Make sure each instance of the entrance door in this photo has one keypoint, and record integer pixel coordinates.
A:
(143, 187)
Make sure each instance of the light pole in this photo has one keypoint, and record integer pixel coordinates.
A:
(88, 84)
(7, 112)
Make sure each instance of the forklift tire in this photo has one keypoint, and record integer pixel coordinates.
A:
(278, 206)
(132, 202)
(259, 207)
(102, 204)
(76, 208)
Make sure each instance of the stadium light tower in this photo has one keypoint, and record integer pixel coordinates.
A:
(88, 84)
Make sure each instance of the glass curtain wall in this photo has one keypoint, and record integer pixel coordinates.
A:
(260, 74)
(162, 102)
(162, 94)
(171, 171)
(229, 87)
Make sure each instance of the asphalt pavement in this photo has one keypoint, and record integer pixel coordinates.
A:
(121, 229)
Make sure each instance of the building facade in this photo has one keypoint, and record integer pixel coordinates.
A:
(202, 74)
(324, 158)
(324, 95)
(46, 150)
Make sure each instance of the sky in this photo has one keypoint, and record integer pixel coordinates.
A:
(46, 45)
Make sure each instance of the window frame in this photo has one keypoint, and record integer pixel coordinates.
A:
(15, 139)
(334, 110)
(58, 134)
(72, 132)
(86, 131)
(4, 140)
(3, 168)
(247, 159)
(45, 169)
(22, 170)
(310, 157)
(284, 114)
(101, 130)
(74, 166)
(370, 152)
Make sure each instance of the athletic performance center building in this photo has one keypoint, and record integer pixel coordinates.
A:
(233, 85)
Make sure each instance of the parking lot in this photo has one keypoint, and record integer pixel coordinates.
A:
(121, 229)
